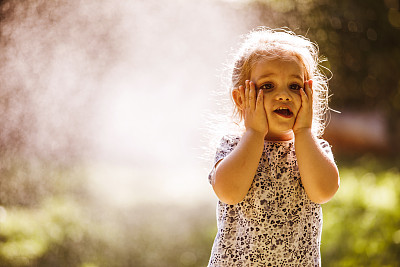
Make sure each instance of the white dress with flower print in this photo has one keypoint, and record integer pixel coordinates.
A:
(276, 224)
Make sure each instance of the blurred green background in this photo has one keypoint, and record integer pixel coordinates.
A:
(49, 215)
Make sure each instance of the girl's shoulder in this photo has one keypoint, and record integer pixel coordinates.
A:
(230, 138)
(228, 142)
(326, 147)
(324, 144)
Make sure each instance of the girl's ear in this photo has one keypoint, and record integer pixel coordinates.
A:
(237, 98)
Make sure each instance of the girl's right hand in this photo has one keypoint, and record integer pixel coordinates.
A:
(255, 118)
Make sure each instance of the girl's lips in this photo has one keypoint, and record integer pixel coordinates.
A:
(284, 112)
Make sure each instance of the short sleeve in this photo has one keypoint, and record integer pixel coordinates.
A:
(326, 148)
(226, 146)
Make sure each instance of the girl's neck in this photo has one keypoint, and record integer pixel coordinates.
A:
(287, 136)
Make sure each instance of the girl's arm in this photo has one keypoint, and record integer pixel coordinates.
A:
(319, 174)
(234, 174)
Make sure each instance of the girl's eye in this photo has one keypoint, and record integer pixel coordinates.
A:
(295, 87)
(267, 86)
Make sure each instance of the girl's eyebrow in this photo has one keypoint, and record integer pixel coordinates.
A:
(273, 74)
(297, 76)
(265, 76)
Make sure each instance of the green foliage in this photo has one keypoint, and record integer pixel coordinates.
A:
(63, 232)
(362, 222)
(163, 235)
(58, 233)
(361, 228)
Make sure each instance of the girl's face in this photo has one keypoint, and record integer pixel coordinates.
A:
(281, 80)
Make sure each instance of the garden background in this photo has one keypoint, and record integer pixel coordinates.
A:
(109, 116)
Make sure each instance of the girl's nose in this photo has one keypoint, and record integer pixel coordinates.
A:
(282, 95)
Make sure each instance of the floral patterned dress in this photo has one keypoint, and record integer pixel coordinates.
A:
(276, 224)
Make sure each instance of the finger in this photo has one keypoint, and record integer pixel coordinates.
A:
(310, 84)
(308, 87)
(260, 100)
(246, 94)
(302, 92)
(305, 87)
(252, 96)
(242, 98)
(303, 96)
(309, 91)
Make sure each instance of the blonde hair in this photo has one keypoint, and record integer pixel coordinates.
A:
(264, 43)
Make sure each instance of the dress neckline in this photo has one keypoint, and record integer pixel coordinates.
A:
(278, 142)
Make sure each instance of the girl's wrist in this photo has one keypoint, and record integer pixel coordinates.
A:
(302, 131)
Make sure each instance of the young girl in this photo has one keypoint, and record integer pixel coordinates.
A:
(271, 179)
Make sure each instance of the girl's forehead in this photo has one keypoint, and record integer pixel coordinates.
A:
(290, 65)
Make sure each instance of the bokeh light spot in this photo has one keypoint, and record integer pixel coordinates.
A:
(336, 23)
(394, 17)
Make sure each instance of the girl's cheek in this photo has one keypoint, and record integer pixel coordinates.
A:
(298, 98)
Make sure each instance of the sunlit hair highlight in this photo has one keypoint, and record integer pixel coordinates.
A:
(264, 43)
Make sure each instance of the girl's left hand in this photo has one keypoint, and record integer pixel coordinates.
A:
(305, 114)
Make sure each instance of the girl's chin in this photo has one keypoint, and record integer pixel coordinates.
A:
(282, 128)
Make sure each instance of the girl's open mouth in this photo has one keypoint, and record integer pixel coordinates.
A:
(284, 112)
